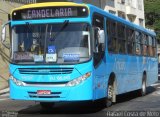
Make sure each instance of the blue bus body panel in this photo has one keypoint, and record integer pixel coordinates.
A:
(127, 68)
(129, 71)
(77, 93)
(82, 91)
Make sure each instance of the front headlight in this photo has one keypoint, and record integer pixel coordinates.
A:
(17, 82)
(78, 80)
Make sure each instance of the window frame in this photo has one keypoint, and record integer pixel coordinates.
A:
(121, 28)
(138, 41)
(112, 36)
(128, 34)
(145, 45)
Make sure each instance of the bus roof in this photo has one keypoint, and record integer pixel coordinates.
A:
(121, 20)
(91, 7)
(48, 4)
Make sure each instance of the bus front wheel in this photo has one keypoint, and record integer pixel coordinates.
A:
(111, 94)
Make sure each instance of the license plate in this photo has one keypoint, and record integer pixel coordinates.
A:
(43, 92)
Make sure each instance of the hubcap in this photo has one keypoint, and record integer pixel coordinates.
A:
(110, 92)
(144, 87)
(110, 96)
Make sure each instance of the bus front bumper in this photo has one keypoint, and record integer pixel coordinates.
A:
(81, 92)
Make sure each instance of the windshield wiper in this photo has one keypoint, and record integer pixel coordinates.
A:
(65, 24)
(31, 31)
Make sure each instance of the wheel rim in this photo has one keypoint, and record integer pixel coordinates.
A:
(144, 87)
(110, 96)
(110, 92)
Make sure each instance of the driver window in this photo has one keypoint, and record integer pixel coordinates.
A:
(98, 23)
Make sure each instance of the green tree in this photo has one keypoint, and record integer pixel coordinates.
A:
(152, 15)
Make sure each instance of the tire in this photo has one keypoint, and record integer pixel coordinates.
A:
(111, 94)
(47, 105)
(143, 90)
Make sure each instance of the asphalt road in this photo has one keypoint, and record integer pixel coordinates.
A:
(126, 102)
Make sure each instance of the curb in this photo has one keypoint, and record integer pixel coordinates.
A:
(4, 91)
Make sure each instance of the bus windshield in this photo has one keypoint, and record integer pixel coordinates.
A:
(51, 43)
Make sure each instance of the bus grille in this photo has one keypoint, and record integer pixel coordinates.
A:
(52, 95)
(45, 71)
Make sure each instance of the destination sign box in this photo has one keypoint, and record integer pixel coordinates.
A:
(49, 12)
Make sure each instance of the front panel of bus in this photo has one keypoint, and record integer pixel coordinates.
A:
(51, 54)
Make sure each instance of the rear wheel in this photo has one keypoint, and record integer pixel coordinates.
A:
(143, 90)
(47, 105)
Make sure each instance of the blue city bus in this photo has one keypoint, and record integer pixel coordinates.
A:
(64, 51)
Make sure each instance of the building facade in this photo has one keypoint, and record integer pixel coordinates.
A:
(131, 10)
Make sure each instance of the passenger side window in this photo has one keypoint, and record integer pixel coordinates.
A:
(137, 43)
(145, 44)
(150, 43)
(130, 40)
(99, 38)
(154, 48)
(98, 23)
(121, 38)
(112, 36)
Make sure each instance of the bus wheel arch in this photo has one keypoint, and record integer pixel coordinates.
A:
(111, 90)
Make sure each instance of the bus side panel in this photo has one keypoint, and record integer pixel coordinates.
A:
(127, 71)
(100, 79)
(152, 74)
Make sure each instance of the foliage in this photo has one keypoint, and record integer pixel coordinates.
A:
(152, 15)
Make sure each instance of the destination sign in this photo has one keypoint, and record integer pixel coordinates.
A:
(49, 12)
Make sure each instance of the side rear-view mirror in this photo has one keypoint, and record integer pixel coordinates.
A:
(5, 31)
(3, 38)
